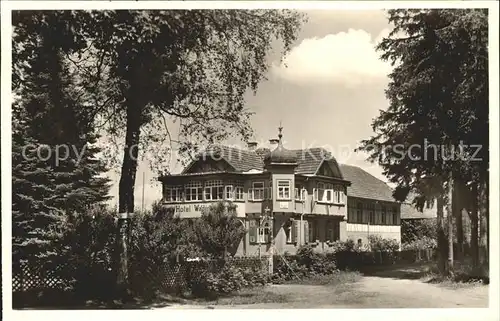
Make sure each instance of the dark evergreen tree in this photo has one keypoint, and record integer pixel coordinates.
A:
(438, 94)
(55, 169)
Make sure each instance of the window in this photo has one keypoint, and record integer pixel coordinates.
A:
(332, 231)
(258, 191)
(324, 193)
(173, 194)
(372, 218)
(264, 232)
(395, 216)
(312, 231)
(339, 195)
(194, 191)
(300, 193)
(384, 214)
(229, 192)
(289, 231)
(259, 232)
(329, 193)
(350, 215)
(238, 191)
(359, 213)
(284, 189)
(214, 190)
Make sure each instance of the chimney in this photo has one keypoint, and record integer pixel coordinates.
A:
(252, 145)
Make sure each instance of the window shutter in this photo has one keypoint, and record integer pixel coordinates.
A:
(295, 231)
(252, 232)
(306, 232)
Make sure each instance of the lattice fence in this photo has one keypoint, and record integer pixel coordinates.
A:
(174, 278)
(32, 276)
(143, 276)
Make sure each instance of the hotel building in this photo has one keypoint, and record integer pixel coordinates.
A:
(286, 197)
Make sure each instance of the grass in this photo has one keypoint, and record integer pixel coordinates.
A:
(252, 296)
(464, 275)
(338, 278)
(272, 293)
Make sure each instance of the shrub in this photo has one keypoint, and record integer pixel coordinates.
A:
(287, 268)
(379, 244)
(228, 279)
(219, 230)
(304, 264)
(314, 262)
(90, 249)
(421, 244)
(413, 230)
(255, 277)
(155, 236)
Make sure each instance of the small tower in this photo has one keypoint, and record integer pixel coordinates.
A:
(281, 163)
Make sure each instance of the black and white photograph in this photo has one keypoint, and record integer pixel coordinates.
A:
(250, 156)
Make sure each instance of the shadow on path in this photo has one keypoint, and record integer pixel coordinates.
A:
(413, 271)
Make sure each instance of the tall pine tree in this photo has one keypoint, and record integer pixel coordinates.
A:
(438, 94)
(55, 169)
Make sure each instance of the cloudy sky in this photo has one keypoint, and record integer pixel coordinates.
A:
(327, 96)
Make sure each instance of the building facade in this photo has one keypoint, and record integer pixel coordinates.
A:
(284, 198)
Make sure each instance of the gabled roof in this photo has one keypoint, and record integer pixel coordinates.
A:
(241, 160)
(365, 185)
(308, 160)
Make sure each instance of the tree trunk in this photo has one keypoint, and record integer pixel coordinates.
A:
(129, 165)
(126, 191)
(474, 248)
(441, 238)
(449, 213)
(457, 206)
(483, 227)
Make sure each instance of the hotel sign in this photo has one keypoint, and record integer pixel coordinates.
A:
(192, 210)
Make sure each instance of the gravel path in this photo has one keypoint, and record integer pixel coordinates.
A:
(371, 292)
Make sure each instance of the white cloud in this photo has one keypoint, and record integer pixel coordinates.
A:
(347, 58)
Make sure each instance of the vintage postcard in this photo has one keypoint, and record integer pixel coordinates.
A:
(265, 157)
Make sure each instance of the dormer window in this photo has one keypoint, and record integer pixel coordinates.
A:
(283, 189)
